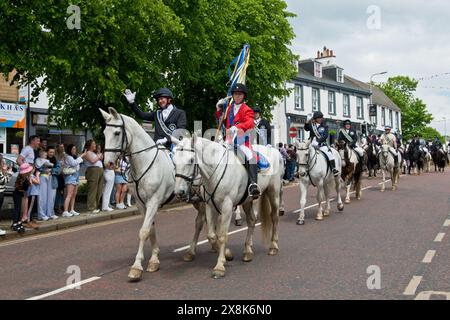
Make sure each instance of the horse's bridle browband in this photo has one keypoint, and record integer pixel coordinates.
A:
(123, 154)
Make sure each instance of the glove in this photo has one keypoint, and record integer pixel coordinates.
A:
(315, 144)
(233, 130)
(130, 96)
(309, 116)
(161, 141)
(221, 103)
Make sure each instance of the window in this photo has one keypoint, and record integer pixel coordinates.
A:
(340, 75)
(359, 108)
(346, 105)
(391, 122)
(315, 99)
(301, 134)
(317, 70)
(298, 97)
(397, 121)
(383, 117)
(331, 102)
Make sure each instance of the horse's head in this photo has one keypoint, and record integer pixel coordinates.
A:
(185, 164)
(303, 156)
(116, 139)
(385, 150)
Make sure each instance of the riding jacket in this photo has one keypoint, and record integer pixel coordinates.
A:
(320, 132)
(350, 134)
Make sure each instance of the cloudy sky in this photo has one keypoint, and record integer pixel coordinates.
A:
(410, 38)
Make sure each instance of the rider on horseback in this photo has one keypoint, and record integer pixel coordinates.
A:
(168, 117)
(241, 117)
(437, 144)
(349, 136)
(264, 131)
(319, 135)
(388, 138)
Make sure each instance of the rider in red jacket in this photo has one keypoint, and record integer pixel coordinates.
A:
(239, 119)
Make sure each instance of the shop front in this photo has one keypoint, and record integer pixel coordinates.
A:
(12, 124)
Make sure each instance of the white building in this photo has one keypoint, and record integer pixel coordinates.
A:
(321, 85)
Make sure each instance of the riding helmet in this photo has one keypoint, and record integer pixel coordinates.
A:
(239, 87)
(163, 92)
(317, 115)
(347, 122)
(257, 110)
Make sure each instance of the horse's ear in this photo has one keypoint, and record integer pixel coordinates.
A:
(114, 113)
(105, 115)
(308, 143)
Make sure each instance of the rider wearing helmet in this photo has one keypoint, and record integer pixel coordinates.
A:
(319, 135)
(239, 119)
(264, 131)
(349, 136)
(388, 138)
(167, 118)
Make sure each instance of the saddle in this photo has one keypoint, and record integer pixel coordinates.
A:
(262, 162)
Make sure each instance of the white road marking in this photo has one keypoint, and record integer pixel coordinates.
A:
(447, 223)
(69, 287)
(439, 237)
(412, 286)
(429, 256)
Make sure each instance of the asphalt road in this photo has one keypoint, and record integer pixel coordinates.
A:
(391, 233)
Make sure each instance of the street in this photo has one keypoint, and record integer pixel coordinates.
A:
(399, 237)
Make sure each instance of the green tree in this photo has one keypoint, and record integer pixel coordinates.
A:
(430, 133)
(185, 45)
(121, 43)
(415, 116)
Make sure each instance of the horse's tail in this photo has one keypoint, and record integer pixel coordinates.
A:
(265, 213)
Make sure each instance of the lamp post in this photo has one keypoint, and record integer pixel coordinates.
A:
(371, 92)
(445, 128)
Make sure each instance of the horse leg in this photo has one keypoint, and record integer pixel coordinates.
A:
(136, 270)
(319, 215)
(301, 215)
(281, 201)
(327, 210)
(274, 204)
(348, 185)
(199, 221)
(153, 263)
(238, 218)
(383, 179)
(223, 225)
(211, 222)
(251, 220)
(337, 186)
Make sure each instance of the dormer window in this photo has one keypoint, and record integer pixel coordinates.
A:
(317, 70)
(339, 75)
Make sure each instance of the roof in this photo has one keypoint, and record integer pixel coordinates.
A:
(378, 96)
(304, 75)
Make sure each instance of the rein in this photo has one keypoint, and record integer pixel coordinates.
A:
(308, 163)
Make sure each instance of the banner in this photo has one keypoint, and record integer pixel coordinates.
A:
(12, 115)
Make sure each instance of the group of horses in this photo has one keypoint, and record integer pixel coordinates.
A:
(211, 176)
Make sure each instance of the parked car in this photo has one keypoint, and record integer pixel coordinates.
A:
(10, 159)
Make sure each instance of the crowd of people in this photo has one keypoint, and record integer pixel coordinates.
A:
(47, 183)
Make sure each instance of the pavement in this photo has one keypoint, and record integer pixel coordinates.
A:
(390, 245)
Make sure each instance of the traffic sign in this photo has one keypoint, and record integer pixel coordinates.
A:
(292, 132)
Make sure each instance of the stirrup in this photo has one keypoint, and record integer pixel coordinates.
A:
(335, 172)
(255, 196)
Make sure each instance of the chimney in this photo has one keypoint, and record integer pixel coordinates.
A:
(318, 53)
(331, 53)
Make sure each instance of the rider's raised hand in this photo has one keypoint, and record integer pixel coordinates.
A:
(130, 96)
(221, 103)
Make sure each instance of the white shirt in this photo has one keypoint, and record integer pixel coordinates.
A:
(236, 108)
(28, 154)
(167, 111)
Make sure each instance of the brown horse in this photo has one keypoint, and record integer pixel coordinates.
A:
(352, 169)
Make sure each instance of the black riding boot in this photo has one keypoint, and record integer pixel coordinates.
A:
(333, 168)
(253, 189)
(396, 160)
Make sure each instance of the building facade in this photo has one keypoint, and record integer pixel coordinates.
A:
(322, 85)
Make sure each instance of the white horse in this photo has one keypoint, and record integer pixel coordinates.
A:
(313, 169)
(153, 175)
(225, 182)
(387, 163)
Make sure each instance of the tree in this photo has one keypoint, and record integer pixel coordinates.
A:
(142, 45)
(415, 116)
(430, 133)
(121, 43)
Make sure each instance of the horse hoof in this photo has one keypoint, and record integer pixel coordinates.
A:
(134, 275)
(319, 218)
(228, 255)
(247, 257)
(238, 222)
(340, 207)
(300, 222)
(218, 274)
(153, 267)
(188, 257)
(273, 251)
(326, 213)
(358, 198)
(281, 213)
(382, 190)
(347, 201)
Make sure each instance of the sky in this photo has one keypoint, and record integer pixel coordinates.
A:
(409, 38)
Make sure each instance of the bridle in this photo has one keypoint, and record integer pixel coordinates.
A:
(308, 162)
(190, 179)
(123, 154)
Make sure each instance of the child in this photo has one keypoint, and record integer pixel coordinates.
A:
(45, 203)
(20, 195)
(33, 192)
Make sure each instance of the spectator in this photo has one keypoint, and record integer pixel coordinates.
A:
(94, 175)
(59, 198)
(20, 195)
(5, 175)
(121, 184)
(32, 195)
(291, 162)
(55, 173)
(71, 173)
(27, 153)
(45, 202)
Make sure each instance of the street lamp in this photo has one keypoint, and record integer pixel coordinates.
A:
(445, 128)
(371, 93)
